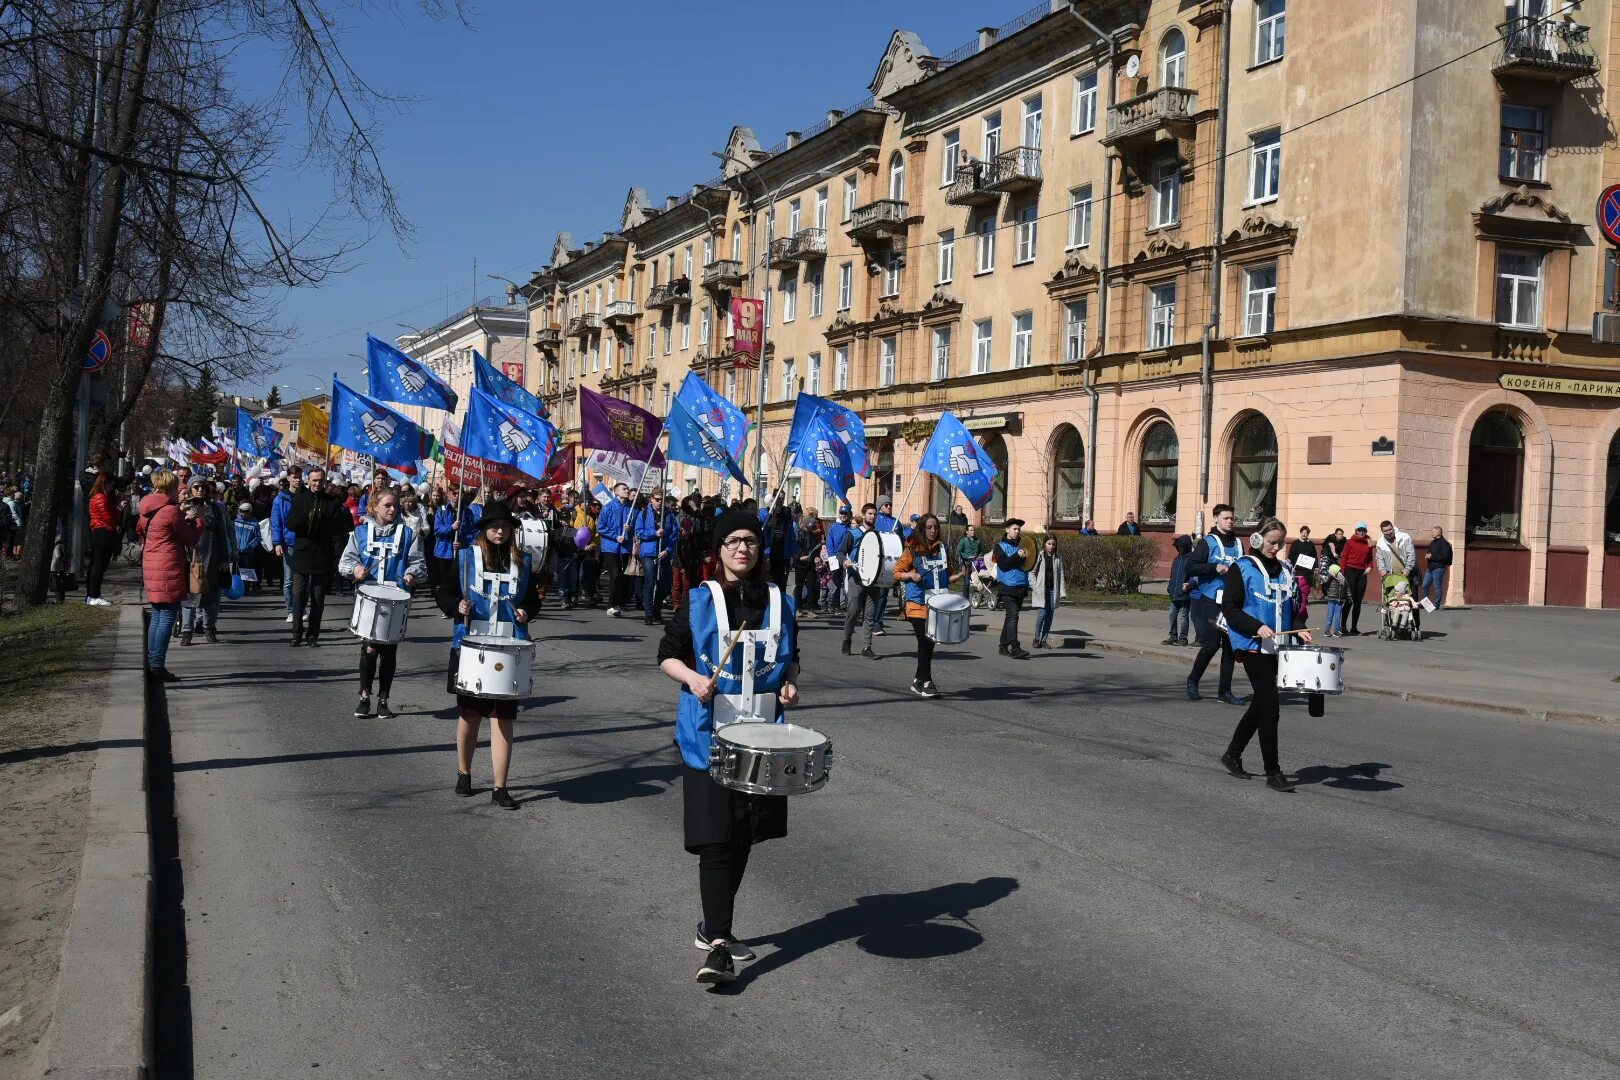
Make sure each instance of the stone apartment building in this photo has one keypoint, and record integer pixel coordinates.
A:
(1334, 262)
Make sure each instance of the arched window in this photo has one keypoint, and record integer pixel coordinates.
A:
(897, 177)
(883, 469)
(996, 509)
(1173, 59)
(1068, 478)
(736, 241)
(1253, 481)
(941, 497)
(1161, 473)
(1611, 516)
(1495, 478)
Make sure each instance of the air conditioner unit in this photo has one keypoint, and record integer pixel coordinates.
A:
(1606, 327)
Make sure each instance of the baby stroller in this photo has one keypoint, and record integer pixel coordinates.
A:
(982, 584)
(1400, 610)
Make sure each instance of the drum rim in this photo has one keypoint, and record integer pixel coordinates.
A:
(486, 641)
(378, 591)
(825, 740)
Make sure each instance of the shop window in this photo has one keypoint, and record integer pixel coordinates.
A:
(1161, 467)
(1253, 480)
(995, 510)
(1068, 478)
(1495, 478)
(1611, 516)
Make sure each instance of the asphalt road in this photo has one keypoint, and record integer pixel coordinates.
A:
(1042, 874)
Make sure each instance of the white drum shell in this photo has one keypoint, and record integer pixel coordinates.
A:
(948, 615)
(770, 759)
(380, 614)
(535, 538)
(496, 668)
(1310, 669)
(876, 557)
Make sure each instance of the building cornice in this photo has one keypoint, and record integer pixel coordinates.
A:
(839, 145)
(587, 266)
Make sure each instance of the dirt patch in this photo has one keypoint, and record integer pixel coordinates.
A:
(50, 717)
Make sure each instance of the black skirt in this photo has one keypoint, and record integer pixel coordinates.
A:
(718, 815)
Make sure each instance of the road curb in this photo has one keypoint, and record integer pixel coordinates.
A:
(101, 1028)
(1555, 716)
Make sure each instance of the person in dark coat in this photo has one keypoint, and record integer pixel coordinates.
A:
(320, 525)
(1180, 589)
(1436, 566)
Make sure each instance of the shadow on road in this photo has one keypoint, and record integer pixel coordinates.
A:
(608, 785)
(902, 926)
(1363, 777)
(34, 753)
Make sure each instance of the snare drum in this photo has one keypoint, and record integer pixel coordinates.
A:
(875, 559)
(495, 667)
(948, 614)
(379, 614)
(1310, 669)
(770, 759)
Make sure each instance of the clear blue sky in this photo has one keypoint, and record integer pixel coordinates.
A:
(540, 117)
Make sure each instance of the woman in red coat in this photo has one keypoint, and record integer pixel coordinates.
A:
(168, 531)
(103, 536)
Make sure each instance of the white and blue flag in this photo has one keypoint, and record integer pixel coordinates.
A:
(956, 457)
(845, 423)
(821, 450)
(492, 381)
(372, 428)
(497, 432)
(404, 380)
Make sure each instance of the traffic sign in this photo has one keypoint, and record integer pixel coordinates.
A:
(100, 352)
(1608, 213)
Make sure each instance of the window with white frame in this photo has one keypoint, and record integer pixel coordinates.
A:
(1259, 300)
(790, 300)
(652, 341)
(891, 274)
(816, 293)
(1079, 217)
(821, 207)
(849, 197)
(1023, 339)
(706, 325)
(947, 256)
(1166, 194)
(888, 360)
(1173, 59)
(731, 385)
(981, 345)
(991, 140)
(765, 379)
(846, 286)
(1074, 331)
(790, 379)
(1162, 316)
(1518, 288)
(795, 212)
(841, 368)
(686, 328)
(1028, 224)
(815, 373)
(987, 244)
(1270, 22)
(1265, 165)
(942, 353)
(607, 354)
(1085, 103)
(1524, 143)
(665, 413)
(1033, 109)
(950, 150)
(613, 290)
(897, 177)
(708, 248)
(669, 333)
(686, 262)
(596, 357)
(736, 241)
(770, 227)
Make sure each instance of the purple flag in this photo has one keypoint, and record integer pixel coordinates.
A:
(610, 424)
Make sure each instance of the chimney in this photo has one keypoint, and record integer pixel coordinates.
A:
(589, 244)
(670, 201)
(792, 139)
(987, 37)
(833, 116)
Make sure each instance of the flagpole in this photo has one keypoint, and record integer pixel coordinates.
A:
(907, 500)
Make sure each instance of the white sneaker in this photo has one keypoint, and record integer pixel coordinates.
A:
(613, 612)
(738, 950)
(289, 617)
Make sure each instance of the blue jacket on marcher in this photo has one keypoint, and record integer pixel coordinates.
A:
(444, 533)
(470, 517)
(610, 525)
(280, 506)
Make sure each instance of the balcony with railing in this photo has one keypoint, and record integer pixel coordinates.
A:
(723, 274)
(1144, 116)
(1019, 169)
(548, 338)
(584, 325)
(670, 294)
(881, 220)
(781, 256)
(1533, 48)
(621, 313)
(972, 185)
(810, 245)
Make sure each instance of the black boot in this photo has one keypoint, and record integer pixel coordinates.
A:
(464, 784)
(501, 798)
(1234, 765)
(1276, 781)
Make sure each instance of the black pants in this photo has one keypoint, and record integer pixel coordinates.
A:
(619, 583)
(377, 662)
(720, 874)
(1263, 710)
(1355, 590)
(925, 650)
(807, 587)
(441, 572)
(309, 591)
(1210, 639)
(1011, 601)
(103, 546)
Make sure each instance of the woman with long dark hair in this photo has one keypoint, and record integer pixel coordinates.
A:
(926, 566)
(103, 536)
(722, 825)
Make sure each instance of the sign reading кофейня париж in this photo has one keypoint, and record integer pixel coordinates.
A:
(1544, 384)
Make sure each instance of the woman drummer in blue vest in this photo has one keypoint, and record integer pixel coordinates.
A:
(924, 567)
(385, 551)
(494, 593)
(1257, 603)
(722, 825)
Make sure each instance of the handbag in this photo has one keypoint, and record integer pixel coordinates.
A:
(634, 570)
(264, 535)
(197, 578)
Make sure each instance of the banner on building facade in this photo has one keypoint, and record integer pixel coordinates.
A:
(312, 428)
(747, 326)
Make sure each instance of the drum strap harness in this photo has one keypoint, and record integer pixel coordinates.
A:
(758, 649)
(494, 587)
(1278, 593)
(380, 550)
(934, 572)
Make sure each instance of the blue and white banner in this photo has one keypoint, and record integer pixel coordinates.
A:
(404, 380)
(372, 428)
(497, 432)
(956, 457)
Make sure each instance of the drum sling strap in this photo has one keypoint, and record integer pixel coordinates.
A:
(758, 649)
(1276, 595)
(494, 587)
(380, 551)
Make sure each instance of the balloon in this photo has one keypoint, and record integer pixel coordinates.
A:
(235, 590)
(582, 536)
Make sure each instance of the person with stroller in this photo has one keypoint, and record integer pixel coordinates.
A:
(1395, 556)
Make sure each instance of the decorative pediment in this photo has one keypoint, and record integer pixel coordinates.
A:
(1259, 228)
(742, 151)
(841, 321)
(1160, 247)
(888, 309)
(904, 62)
(561, 247)
(942, 298)
(637, 209)
(1527, 203)
(1073, 269)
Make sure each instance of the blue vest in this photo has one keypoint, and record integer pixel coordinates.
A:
(502, 597)
(694, 720)
(936, 571)
(1013, 579)
(1271, 600)
(392, 570)
(1223, 557)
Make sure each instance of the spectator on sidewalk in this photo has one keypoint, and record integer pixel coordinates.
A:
(1180, 589)
(1355, 561)
(103, 536)
(969, 548)
(1303, 545)
(168, 531)
(1089, 528)
(1395, 553)
(1129, 527)
(1438, 565)
(1048, 589)
(1333, 590)
(212, 559)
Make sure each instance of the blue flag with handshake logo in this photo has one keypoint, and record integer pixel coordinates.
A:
(491, 381)
(956, 457)
(394, 376)
(844, 422)
(822, 450)
(497, 432)
(370, 427)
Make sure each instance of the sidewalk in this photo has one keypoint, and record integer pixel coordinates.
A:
(1559, 664)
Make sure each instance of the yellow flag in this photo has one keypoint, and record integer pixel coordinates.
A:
(312, 427)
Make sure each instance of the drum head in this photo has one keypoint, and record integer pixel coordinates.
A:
(383, 592)
(496, 644)
(948, 601)
(869, 557)
(772, 736)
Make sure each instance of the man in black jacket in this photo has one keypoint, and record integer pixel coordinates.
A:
(1212, 557)
(317, 520)
(1438, 565)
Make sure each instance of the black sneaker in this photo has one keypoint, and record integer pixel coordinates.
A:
(464, 784)
(929, 689)
(844, 648)
(503, 799)
(1234, 765)
(718, 968)
(868, 653)
(363, 710)
(383, 711)
(740, 952)
(923, 689)
(878, 631)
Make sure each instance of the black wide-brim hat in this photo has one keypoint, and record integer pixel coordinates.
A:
(497, 513)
